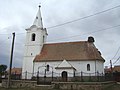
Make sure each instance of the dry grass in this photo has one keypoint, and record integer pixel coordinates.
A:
(113, 87)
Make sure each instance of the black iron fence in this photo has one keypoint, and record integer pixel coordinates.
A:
(47, 78)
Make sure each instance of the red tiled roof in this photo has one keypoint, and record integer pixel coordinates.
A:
(116, 68)
(16, 70)
(107, 70)
(82, 50)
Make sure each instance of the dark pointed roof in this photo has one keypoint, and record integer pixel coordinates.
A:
(82, 50)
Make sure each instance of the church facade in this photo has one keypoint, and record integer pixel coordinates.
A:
(58, 59)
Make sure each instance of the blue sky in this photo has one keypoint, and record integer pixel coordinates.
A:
(17, 15)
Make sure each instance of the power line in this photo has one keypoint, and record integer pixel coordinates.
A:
(82, 34)
(84, 17)
(117, 60)
(20, 33)
(88, 32)
(116, 53)
(77, 19)
(16, 34)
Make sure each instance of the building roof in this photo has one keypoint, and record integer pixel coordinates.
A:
(113, 69)
(116, 68)
(16, 70)
(82, 50)
(107, 70)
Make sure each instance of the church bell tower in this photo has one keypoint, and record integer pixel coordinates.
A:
(35, 38)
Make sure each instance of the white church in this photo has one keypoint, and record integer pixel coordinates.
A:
(65, 59)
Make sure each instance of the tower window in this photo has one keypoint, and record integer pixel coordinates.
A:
(88, 67)
(33, 37)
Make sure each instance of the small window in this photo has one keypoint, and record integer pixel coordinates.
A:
(88, 67)
(33, 37)
(47, 68)
(43, 38)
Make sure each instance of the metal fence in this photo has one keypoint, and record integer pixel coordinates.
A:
(47, 78)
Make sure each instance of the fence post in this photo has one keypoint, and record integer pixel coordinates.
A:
(15, 76)
(89, 76)
(74, 74)
(25, 75)
(81, 76)
(52, 75)
(38, 77)
(45, 76)
(97, 76)
(103, 79)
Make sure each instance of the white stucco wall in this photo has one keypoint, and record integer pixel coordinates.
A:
(42, 65)
(100, 66)
(80, 66)
(57, 73)
(27, 67)
(70, 72)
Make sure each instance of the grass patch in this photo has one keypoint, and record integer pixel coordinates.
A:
(113, 87)
(22, 89)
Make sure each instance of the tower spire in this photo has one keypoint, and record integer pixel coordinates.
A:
(38, 19)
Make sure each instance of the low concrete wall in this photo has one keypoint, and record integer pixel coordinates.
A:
(72, 79)
(81, 85)
(20, 83)
(59, 85)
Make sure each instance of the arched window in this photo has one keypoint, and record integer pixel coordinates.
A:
(33, 37)
(47, 67)
(88, 67)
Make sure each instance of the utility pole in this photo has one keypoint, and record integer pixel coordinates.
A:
(111, 66)
(11, 59)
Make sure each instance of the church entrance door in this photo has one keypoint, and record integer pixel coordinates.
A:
(64, 76)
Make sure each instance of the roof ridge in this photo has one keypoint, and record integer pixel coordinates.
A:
(64, 42)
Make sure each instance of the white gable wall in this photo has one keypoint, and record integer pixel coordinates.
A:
(64, 63)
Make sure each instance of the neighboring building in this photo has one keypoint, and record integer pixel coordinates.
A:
(107, 70)
(116, 68)
(66, 59)
(16, 73)
(113, 73)
(113, 69)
